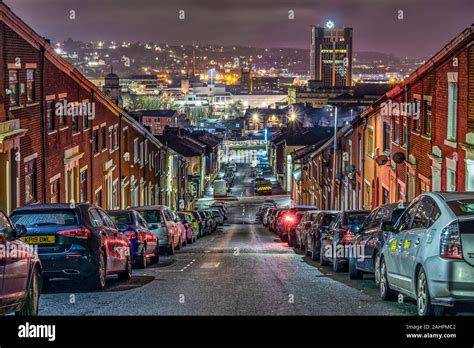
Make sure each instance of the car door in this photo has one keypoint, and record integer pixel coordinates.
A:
(362, 239)
(120, 242)
(151, 240)
(106, 235)
(395, 245)
(16, 262)
(414, 240)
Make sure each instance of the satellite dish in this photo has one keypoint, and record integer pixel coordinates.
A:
(399, 157)
(382, 159)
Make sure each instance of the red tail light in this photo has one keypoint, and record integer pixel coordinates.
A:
(450, 242)
(186, 225)
(163, 224)
(131, 234)
(347, 237)
(81, 233)
(289, 218)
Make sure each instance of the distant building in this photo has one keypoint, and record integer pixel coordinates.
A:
(331, 55)
(112, 88)
(157, 120)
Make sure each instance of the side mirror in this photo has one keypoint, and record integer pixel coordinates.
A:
(154, 226)
(387, 226)
(20, 230)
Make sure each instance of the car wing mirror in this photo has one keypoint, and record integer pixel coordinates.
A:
(20, 230)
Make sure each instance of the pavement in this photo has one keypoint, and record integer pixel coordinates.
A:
(242, 269)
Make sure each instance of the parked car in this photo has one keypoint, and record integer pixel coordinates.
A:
(76, 241)
(183, 238)
(162, 224)
(371, 238)
(217, 215)
(21, 276)
(136, 229)
(212, 221)
(338, 240)
(303, 228)
(318, 228)
(199, 223)
(291, 220)
(188, 221)
(429, 255)
(291, 225)
(274, 218)
(222, 207)
(207, 224)
(266, 216)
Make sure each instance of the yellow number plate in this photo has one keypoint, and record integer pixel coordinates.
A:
(407, 244)
(39, 239)
(393, 247)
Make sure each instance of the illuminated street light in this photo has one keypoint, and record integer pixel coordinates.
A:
(292, 117)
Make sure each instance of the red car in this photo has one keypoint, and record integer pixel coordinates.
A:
(20, 272)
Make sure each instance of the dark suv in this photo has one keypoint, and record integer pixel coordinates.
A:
(20, 271)
(76, 241)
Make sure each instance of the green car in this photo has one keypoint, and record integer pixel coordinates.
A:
(193, 216)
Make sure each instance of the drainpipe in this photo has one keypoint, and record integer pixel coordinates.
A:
(43, 123)
(363, 163)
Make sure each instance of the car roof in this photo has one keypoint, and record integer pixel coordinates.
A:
(47, 206)
(151, 207)
(451, 196)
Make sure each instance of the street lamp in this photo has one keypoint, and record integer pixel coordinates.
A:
(292, 117)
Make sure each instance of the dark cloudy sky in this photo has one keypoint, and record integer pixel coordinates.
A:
(427, 25)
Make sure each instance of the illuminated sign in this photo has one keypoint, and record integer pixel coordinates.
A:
(329, 24)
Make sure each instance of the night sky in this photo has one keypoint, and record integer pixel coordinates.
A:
(427, 25)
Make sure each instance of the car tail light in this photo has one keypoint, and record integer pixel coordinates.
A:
(289, 218)
(450, 242)
(163, 224)
(131, 234)
(186, 225)
(81, 233)
(347, 237)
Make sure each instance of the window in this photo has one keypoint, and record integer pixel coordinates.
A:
(141, 152)
(386, 137)
(157, 163)
(396, 131)
(30, 86)
(405, 221)
(85, 120)
(427, 213)
(116, 142)
(424, 186)
(136, 157)
(452, 109)
(416, 119)
(30, 181)
(115, 194)
(367, 195)
(83, 186)
(95, 140)
(370, 142)
(55, 191)
(61, 111)
(95, 218)
(146, 151)
(104, 138)
(450, 180)
(404, 133)
(427, 118)
(125, 140)
(385, 196)
(98, 198)
(14, 87)
(50, 115)
(111, 138)
(75, 122)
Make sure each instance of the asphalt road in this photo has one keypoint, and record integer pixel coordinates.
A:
(240, 270)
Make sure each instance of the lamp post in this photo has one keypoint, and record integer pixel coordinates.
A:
(334, 165)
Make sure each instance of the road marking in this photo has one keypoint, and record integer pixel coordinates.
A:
(189, 264)
(210, 265)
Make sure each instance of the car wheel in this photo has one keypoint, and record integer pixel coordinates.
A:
(127, 273)
(386, 293)
(141, 260)
(31, 305)
(377, 270)
(354, 273)
(423, 298)
(98, 280)
(156, 253)
(171, 249)
(336, 265)
(322, 261)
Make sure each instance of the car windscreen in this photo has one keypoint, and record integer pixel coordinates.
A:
(39, 218)
(464, 207)
(124, 218)
(328, 219)
(396, 214)
(151, 216)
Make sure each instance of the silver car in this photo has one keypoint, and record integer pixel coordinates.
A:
(429, 253)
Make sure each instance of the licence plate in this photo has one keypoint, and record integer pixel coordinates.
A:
(39, 239)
